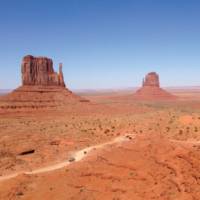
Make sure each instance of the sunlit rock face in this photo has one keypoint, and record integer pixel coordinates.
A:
(39, 71)
(42, 88)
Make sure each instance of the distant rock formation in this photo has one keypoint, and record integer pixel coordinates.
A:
(39, 71)
(151, 90)
(42, 87)
(151, 80)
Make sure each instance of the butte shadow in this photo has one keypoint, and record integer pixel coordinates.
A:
(42, 87)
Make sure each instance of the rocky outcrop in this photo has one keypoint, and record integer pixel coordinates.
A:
(42, 88)
(151, 90)
(39, 71)
(61, 81)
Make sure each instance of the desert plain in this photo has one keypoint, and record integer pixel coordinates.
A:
(156, 155)
(57, 144)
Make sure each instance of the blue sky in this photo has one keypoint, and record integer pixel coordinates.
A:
(103, 43)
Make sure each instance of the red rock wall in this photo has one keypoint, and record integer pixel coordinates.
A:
(39, 71)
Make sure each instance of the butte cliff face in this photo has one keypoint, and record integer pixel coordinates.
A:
(151, 80)
(151, 90)
(42, 87)
(39, 71)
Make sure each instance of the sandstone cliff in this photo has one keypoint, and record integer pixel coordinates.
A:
(39, 71)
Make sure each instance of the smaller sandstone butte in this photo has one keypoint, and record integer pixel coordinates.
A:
(42, 87)
(151, 90)
(39, 71)
(151, 80)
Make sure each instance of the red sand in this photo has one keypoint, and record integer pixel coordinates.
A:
(149, 167)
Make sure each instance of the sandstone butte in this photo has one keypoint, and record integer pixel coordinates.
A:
(41, 87)
(39, 71)
(151, 89)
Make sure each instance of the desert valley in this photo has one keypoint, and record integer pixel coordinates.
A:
(116, 145)
(99, 100)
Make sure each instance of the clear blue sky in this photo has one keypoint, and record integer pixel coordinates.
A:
(103, 43)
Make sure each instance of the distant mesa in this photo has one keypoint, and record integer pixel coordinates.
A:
(42, 87)
(151, 90)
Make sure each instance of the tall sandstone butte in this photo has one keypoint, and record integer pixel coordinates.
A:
(41, 87)
(39, 71)
(151, 90)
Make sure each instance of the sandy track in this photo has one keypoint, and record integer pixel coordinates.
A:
(80, 155)
(77, 156)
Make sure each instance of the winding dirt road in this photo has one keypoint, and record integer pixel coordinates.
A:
(76, 157)
(80, 155)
